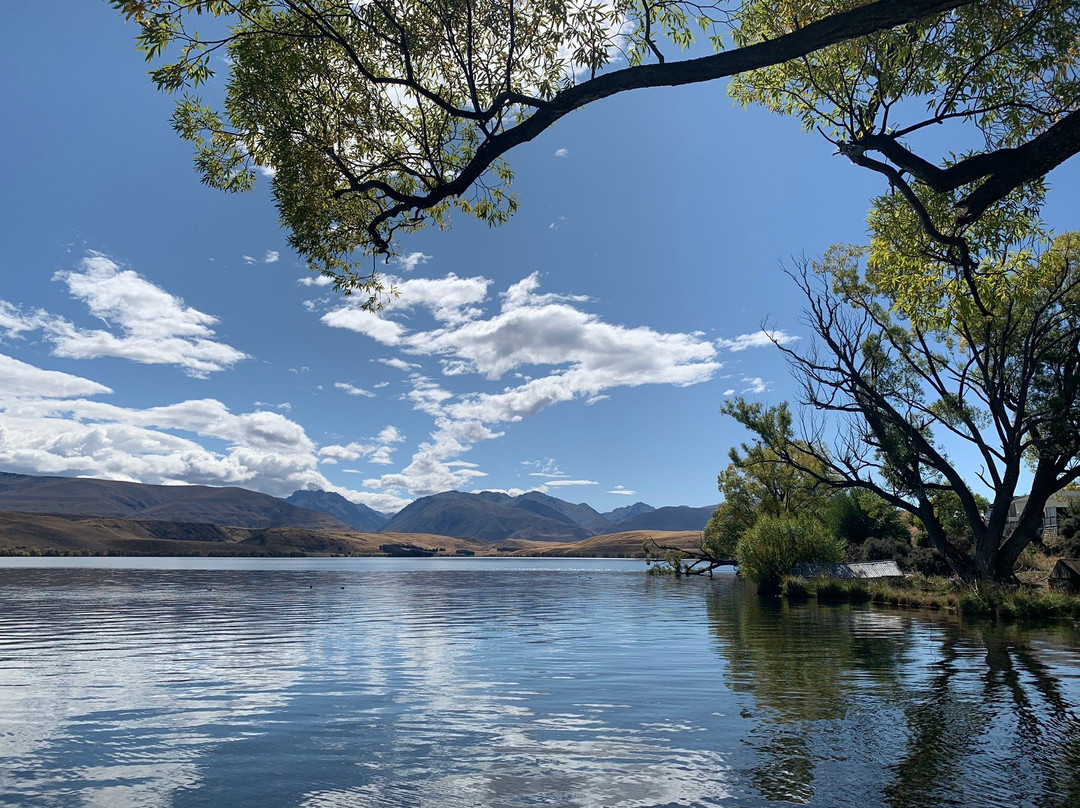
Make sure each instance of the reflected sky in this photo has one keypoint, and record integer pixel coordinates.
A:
(358, 682)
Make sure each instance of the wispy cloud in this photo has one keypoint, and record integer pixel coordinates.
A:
(622, 491)
(755, 384)
(144, 323)
(269, 257)
(571, 355)
(353, 390)
(562, 152)
(758, 339)
(571, 482)
(378, 450)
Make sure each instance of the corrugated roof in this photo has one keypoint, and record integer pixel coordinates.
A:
(854, 569)
(1066, 568)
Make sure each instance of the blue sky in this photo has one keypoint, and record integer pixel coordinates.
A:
(155, 330)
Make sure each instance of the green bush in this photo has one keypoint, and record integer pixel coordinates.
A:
(769, 549)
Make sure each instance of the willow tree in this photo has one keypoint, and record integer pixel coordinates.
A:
(381, 117)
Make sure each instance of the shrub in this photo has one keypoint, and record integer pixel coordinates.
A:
(774, 544)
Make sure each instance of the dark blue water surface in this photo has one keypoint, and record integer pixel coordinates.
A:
(500, 682)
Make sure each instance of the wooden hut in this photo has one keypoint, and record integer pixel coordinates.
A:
(1065, 577)
(865, 570)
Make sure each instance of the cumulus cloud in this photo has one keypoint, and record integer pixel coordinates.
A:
(378, 450)
(759, 339)
(755, 384)
(51, 423)
(353, 390)
(315, 280)
(570, 354)
(411, 261)
(144, 323)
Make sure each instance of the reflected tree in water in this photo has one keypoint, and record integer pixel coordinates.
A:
(896, 709)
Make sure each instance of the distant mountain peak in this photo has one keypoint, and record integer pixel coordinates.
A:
(354, 514)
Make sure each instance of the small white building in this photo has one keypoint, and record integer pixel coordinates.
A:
(1056, 509)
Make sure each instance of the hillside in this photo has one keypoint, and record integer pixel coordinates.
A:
(353, 514)
(582, 514)
(679, 517)
(78, 496)
(618, 545)
(620, 515)
(489, 516)
(26, 533)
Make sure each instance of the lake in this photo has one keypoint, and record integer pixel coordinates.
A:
(509, 682)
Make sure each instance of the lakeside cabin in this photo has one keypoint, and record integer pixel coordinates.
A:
(862, 570)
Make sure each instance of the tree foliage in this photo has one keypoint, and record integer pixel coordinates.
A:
(380, 117)
(775, 544)
(1001, 378)
(1003, 76)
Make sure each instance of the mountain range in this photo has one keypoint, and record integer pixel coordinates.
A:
(488, 516)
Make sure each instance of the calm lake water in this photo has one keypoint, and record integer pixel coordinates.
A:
(499, 682)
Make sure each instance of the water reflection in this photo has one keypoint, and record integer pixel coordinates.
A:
(370, 688)
(391, 686)
(859, 707)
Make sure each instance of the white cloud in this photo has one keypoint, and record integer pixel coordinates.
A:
(315, 280)
(411, 261)
(730, 391)
(544, 468)
(269, 257)
(759, 339)
(562, 152)
(19, 380)
(154, 327)
(755, 384)
(353, 390)
(571, 482)
(50, 425)
(14, 323)
(378, 450)
(570, 353)
(622, 491)
(399, 364)
(555, 225)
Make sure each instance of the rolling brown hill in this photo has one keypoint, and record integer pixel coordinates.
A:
(79, 496)
(627, 544)
(31, 533)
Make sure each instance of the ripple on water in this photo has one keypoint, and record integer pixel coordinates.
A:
(362, 683)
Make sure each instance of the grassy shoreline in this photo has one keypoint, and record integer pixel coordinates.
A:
(940, 594)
